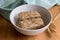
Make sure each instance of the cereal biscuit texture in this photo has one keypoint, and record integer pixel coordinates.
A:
(28, 15)
(30, 20)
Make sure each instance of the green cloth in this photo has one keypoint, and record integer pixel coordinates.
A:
(44, 3)
(6, 6)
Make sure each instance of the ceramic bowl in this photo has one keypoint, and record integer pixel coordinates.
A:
(46, 16)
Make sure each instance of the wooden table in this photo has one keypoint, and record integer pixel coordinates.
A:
(7, 32)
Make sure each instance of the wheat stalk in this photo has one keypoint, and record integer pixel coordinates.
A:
(51, 29)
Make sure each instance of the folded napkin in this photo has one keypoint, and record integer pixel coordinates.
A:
(4, 3)
(14, 3)
(10, 4)
(6, 6)
(58, 2)
(44, 3)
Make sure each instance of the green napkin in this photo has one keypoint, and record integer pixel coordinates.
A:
(44, 3)
(58, 2)
(4, 3)
(6, 6)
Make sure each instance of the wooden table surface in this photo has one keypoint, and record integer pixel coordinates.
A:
(7, 32)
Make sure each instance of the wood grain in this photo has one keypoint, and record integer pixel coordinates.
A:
(7, 32)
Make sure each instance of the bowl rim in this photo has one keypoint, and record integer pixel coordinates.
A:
(35, 29)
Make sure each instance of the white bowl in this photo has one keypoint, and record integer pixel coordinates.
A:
(47, 18)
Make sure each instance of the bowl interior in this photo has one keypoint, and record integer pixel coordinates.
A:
(46, 16)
